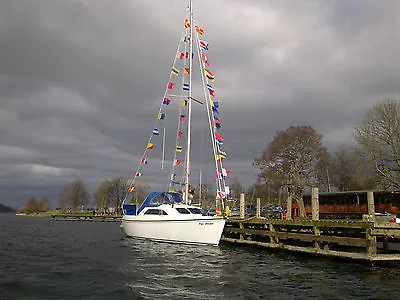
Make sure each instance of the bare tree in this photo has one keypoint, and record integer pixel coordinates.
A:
(236, 187)
(119, 186)
(102, 195)
(44, 204)
(378, 136)
(266, 191)
(293, 159)
(74, 194)
(32, 206)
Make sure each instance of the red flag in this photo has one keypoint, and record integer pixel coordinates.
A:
(180, 133)
(204, 58)
(225, 172)
(218, 136)
(171, 85)
(218, 212)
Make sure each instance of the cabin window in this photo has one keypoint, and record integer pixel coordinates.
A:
(160, 199)
(154, 211)
(182, 210)
(195, 210)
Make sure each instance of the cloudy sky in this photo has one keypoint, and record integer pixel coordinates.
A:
(79, 79)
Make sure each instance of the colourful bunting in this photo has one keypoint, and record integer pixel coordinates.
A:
(150, 146)
(187, 23)
(155, 131)
(217, 123)
(204, 45)
(219, 158)
(179, 149)
(177, 162)
(209, 75)
(143, 161)
(225, 172)
(199, 30)
(214, 109)
(220, 194)
(186, 86)
(204, 58)
(211, 90)
(219, 137)
(171, 85)
(161, 116)
(175, 71)
(227, 190)
(166, 101)
(222, 153)
(218, 212)
(131, 189)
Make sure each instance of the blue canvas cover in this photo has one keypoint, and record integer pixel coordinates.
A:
(129, 209)
(158, 198)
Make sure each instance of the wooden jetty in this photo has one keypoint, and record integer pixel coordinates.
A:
(85, 217)
(371, 239)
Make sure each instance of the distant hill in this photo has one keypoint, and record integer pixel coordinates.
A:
(4, 208)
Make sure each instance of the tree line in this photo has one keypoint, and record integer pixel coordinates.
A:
(296, 159)
(35, 206)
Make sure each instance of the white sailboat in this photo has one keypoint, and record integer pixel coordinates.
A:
(168, 216)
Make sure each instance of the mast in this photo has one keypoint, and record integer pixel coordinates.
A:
(187, 166)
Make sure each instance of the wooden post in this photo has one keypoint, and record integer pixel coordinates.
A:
(385, 244)
(317, 233)
(272, 238)
(289, 208)
(258, 207)
(371, 205)
(315, 204)
(242, 206)
(371, 243)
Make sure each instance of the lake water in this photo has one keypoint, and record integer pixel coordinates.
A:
(45, 259)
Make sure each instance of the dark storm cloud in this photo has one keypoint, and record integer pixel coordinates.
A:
(80, 81)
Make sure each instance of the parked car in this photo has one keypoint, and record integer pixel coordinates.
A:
(250, 210)
(396, 219)
(235, 211)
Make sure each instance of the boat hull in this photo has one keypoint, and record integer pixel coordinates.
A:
(200, 231)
